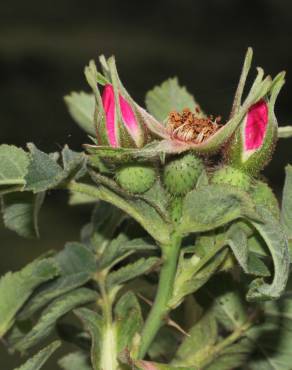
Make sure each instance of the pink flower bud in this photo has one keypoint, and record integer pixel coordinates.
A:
(121, 125)
(251, 147)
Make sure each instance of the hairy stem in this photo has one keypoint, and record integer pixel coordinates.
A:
(108, 359)
(160, 307)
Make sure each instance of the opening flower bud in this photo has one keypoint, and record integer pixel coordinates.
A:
(119, 125)
(252, 144)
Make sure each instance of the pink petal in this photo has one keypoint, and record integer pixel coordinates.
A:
(128, 116)
(108, 102)
(256, 125)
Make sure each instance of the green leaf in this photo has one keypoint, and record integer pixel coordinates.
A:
(237, 240)
(120, 248)
(47, 293)
(286, 211)
(228, 302)
(77, 265)
(275, 238)
(205, 349)
(233, 356)
(36, 362)
(43, 172)
(256, 266)
(257, 245)
(75, 361)
(105, 219)
(202, 336)
(164, 345)
(192, 273)
(81, 107)
(52, 313)
(20, 212)
(14, 162)
(213, 206)
(129, 321)
(74, 164)
(73, 334)
(92, 322)
(158, 196)
(76, 258)
(18, 331)
(142, 212)
(140, 267)
(15, 288)
(273, 339)
(167, 97)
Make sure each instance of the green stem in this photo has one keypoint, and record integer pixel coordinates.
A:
(160, 309)
(106, 303)
(108, 351)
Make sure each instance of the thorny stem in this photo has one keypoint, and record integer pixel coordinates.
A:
(160, 307)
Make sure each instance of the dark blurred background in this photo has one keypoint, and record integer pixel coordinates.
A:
(44, 46)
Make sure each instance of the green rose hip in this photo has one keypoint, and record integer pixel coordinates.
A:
(181, 174)
(231, 176)
(136, 178)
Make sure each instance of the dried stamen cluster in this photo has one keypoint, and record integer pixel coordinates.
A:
(189, 126)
